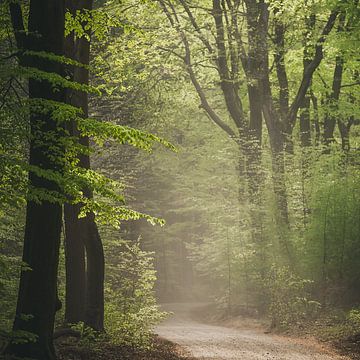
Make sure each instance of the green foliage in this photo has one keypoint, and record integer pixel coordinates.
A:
(72, 182)
(354, 318)
(89, 338)
(130, 311)
(211, 246)
(289, 301)
(101, 132)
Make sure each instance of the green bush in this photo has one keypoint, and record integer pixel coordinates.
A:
(289, 301)
(353, 317)
(130, 308)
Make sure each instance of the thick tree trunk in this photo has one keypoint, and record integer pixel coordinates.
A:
(281, 198)
(95, 272)
(74, 227)
(37, 291)
(74, 265)
(275, 129)
(83, 233)
(277, 139)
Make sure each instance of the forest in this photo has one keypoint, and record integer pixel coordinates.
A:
(180, 179)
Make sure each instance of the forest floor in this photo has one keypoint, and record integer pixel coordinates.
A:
(241, 341)
(161, 350)
(190, 333)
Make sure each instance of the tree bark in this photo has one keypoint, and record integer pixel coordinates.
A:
(332, 102)
(74, 265)
(95, 273)
(305, 127)
(37, 291)
(314, 102)
(74, 227)
(83, 233)
(275, 130)
(333, 99)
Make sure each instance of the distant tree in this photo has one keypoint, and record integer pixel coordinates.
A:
(245, 34)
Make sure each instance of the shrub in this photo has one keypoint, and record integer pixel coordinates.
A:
(130, 309)
(289, 301)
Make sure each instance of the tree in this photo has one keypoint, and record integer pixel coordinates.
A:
(85, 289)
(233, 61)
(36, 305)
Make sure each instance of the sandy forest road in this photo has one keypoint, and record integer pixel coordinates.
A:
(210, 342)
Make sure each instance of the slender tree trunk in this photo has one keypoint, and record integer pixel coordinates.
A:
(305, 127)
(314, 102)
(332, 102)
(333, 98)
(37, 292)
(345, 134)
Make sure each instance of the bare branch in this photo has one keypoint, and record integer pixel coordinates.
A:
(204, 102)
(349, 85)
(196, 26)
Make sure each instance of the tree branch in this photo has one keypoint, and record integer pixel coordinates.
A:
(196, 26)
(187, 61)
(279, 60)
(204, 103)
(349, 85)
(310, 69)
(232, 99)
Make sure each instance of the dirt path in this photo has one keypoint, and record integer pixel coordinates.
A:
(210, 342)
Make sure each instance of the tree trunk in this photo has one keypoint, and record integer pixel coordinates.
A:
(317, 130)
(332, 102)
(345, 134)
(74, 227)
(83, 232)
(37, 290)
(74, 265)
(305, 128)
(95, 273)
(276, 136)
(333, 98)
